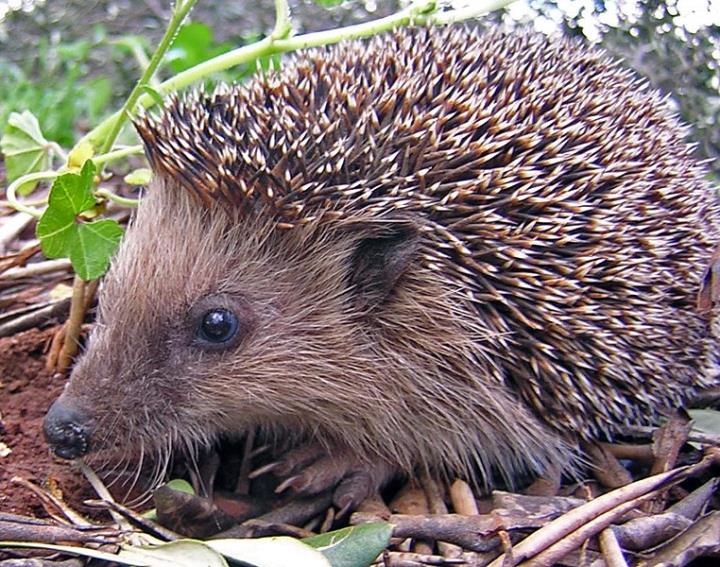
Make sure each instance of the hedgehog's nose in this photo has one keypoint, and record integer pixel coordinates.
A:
(66, 430)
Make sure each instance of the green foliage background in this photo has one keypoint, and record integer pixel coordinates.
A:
(70, 62)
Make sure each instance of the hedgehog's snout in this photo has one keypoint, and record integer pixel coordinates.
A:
(67, 429)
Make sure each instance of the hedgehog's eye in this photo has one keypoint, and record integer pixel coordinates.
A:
(218, 326)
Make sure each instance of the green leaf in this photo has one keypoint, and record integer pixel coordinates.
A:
(356, 546)
(54, 230)
(62, 234)
(72, 192)
(181, 485)
(25, 148)
(93, 246)
(70, 195)
(270, 552)
(328, 3)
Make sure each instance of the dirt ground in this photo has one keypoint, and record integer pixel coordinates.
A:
(26, 391)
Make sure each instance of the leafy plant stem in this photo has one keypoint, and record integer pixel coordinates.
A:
(421, 12)
(58, 150)
(110, 196)
(143, 61)
(117, 120)
(11, 191)
(73, 324)
(117, 154)
(26, 206)
(283, 26)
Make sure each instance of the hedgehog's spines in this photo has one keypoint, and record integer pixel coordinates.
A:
(544, 177)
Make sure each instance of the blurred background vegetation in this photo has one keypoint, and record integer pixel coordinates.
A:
(72, 62)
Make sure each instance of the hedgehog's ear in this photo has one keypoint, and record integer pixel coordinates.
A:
(380, 258)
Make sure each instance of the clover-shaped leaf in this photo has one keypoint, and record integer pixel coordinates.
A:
(64, 234)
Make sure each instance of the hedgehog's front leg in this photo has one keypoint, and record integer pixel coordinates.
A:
(312, 470)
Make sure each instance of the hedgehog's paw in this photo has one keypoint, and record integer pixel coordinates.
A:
(312, 470)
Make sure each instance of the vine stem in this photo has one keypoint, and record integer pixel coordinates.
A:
(15, 203)
(420, 12)
(283, 26)
(117, 120)
(110, 196)
(11, 191)
(117, 154)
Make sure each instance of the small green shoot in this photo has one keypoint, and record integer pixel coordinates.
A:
(63, 232)
(179, 484)
(139, 176)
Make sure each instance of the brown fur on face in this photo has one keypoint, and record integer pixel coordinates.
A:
(311, 363)
(445, 249)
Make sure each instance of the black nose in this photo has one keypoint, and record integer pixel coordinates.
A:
(66, 430)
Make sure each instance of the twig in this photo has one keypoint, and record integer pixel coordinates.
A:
(408, 559)
(463, 499)
(146, 525)
(59, 339)
(437, 506)
(603, 506)
(476, 533)
(50, 502)
(12, 227)
(611, 550)
(18, 530)
(19, 258)
(53, 353)
(605, 466)
(551, 554)
(37, 269)
(642, 453)
(35, 318)
(104, 495)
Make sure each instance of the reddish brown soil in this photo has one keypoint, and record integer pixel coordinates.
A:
(26, 391)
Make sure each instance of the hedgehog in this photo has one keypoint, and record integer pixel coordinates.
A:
(446, 250)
